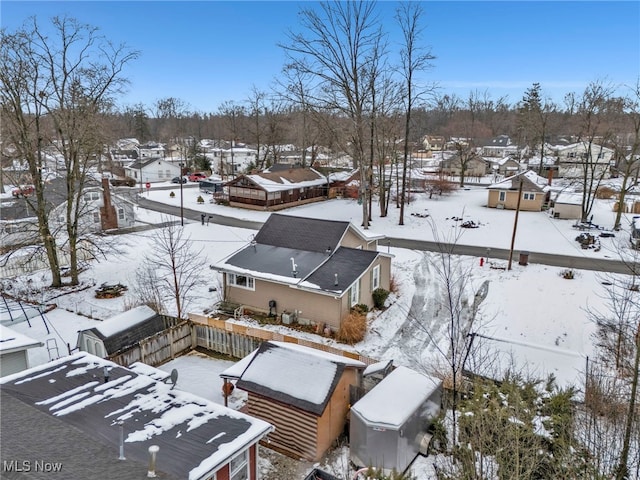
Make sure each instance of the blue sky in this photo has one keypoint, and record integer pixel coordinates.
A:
(209, 52)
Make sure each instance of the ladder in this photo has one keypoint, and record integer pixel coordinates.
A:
(52, 346)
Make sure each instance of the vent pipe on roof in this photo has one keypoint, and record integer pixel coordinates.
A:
(121, 456)
(328, 251)
(335, 281)
(293, 268)
(153, 450)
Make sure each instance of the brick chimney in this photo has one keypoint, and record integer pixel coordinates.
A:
(108, 215)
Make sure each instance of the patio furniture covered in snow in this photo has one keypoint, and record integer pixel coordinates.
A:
(388, 426)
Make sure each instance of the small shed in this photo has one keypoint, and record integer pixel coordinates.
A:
(302, 391)
(390, 438)
(14, 355)
(567, 206)
(121, 332)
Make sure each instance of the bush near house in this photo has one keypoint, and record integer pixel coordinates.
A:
(353, 327)
(379, 297)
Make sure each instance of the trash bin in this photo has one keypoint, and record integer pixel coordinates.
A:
(524, 258)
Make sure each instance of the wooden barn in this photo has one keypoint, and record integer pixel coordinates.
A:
(302, 391)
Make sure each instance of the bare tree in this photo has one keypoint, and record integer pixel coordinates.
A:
(593, 130)
(414, 59)
(618, 340)
(54, 90)
(233, 115)
(176, 265)
(338, 50)
(628, 159)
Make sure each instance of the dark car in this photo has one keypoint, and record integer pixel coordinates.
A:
(123, 182)
(178, 180)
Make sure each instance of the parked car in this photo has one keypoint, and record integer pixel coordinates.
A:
(23, 191)
(178, 180)
(123, 182)
(197, 176)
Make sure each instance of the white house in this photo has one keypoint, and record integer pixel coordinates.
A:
(151, 150)
(154, 170)
(233, 160)
(574, 158)
(99, 210)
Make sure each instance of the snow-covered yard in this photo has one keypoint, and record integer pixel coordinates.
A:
(531, 314)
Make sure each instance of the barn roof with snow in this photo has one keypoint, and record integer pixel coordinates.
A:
(80, 411)
(296, 375)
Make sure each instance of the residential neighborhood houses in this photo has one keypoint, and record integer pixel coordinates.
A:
(295, 271)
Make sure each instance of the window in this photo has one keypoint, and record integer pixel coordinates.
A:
(160, 174)
(91, 196)
(239, 466)
(529, 196)
(121, 214)
(375, 277)
(354, 293)
(96, 217)
(502, 196)
(242, 281)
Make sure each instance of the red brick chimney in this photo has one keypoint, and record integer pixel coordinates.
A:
(108, 215)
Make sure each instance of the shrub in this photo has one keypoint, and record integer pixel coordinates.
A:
(172, 194)
(379, 297)
(604, 193)
(200, 199)
(353, 328)
(360, 308)
(393, 284)
(568, 274)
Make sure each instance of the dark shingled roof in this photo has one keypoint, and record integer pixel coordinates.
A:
(347, 263)
(311, 234)
(277, 260)
(64, 412)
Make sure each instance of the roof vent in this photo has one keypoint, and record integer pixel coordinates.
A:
(335, 281)
(153, 450)
(294, 272)
(328, 251)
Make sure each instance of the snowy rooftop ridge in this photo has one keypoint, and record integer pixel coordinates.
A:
(125, 320)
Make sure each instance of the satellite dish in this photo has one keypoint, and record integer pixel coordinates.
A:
(174, 377)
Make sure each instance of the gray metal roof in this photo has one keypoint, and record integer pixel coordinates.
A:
(311, 234)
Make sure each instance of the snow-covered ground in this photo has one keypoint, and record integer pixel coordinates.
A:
(532, 314)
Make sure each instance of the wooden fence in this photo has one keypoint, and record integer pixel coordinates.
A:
(217, 336)
(239, 341)
(159, 348)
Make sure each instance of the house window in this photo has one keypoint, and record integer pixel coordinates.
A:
(96, 217)
(502, 196)
(242, 281)
(121, 214)
(91, 196)
(239, 466)
(167, 173)
(375, 277)
(354, 293)
(529, 196)
(160, 174)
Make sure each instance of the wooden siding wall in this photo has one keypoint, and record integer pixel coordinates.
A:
(296, 430)
(159, 348)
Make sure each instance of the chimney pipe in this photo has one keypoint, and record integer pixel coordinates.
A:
(153, 450)
(335, 281)
(121, 457)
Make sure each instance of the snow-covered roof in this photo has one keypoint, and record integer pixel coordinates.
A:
(403, 388)
(196, 436)
(569, 198)
(510, 183)
(125, 320)
(11, 341)
(294, 374)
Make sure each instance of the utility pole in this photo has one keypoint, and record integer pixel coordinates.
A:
(515, 224)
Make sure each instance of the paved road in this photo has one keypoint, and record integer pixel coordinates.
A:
(580, 263)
